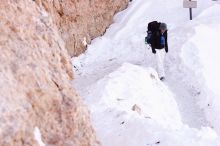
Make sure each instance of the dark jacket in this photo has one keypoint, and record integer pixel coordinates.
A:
(156, 44)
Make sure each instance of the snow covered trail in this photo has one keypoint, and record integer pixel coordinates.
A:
(182, 81)
(123, 42)
(110, 76)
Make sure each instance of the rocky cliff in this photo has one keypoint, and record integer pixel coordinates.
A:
(81, 21)
(37, 103)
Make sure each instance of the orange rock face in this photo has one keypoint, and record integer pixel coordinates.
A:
(81, 21)
(35, 75)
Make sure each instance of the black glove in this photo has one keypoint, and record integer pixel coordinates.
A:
(154, 51)
(166, 49)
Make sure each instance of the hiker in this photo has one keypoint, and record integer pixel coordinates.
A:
(159, 45)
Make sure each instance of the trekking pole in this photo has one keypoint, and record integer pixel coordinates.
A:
(145, 52)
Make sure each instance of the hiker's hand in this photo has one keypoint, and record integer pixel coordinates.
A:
(166, 49)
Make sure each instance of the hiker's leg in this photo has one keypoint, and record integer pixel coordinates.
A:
(160, 62)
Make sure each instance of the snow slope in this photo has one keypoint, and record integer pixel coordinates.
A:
(204, 48)
(129, 105)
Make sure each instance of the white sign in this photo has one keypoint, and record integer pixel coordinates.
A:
(189, 4)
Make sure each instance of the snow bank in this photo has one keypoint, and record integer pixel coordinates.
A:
(132, 85)
(132, 107)
(201, 54)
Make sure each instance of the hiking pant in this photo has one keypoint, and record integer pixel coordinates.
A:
(160, 56)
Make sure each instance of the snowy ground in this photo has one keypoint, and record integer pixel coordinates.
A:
(129, 105)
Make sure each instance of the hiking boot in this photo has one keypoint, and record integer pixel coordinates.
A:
(162, 78)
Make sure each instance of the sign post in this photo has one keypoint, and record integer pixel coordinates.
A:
(190, 13)
(190, 4)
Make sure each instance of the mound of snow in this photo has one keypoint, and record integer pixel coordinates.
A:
(132, 85)
(131, 107)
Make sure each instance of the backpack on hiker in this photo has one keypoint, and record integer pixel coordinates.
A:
(151, 28)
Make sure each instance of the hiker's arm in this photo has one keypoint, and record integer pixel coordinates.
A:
(153, 43)
(166, 44)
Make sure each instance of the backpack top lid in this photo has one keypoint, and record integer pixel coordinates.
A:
(153, 26)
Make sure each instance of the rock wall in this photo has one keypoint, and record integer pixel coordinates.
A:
(81, 21)
(35, 75)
